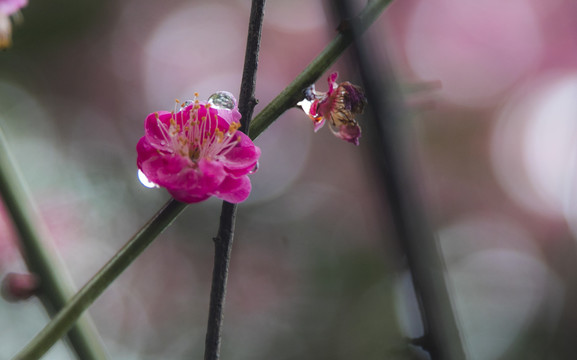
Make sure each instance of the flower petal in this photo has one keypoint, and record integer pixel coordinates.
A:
(156, 128)
(318, 124)
(349, 133)
(234, 190)
(187, 197)
(9, 7)
(212, 175)
(242, 158)
(230, 115)
(332, 79)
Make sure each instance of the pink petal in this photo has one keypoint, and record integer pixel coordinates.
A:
(332, 79)
(169, 171)
(9, 7)
(187, 197)
(319, 124)
(164, 169)
(229, 115)
(350, 133)
(242, 158)
(212, 174)
(234, 190)
(153, 131)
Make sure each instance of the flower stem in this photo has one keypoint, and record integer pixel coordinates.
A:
(105, 276)
(96, 286)
(224, 239)
(294, 92)
(55, 284)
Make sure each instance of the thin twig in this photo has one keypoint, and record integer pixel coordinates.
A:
(441, 338)
(64, 320)
(224, 239)
(55, 284)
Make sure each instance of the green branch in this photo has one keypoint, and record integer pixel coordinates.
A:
(55, 285)
(58, 326)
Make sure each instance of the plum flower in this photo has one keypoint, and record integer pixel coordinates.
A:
(8, 8)
(197, 152)
(339, 105)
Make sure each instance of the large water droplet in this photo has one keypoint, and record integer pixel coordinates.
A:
(144, 180)
(222, 100)
(254, 169)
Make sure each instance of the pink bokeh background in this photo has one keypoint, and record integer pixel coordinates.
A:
(314, 274)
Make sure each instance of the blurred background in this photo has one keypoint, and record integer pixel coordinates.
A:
(313, 275)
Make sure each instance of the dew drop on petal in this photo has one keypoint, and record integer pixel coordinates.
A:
(144, 180)
(305, 104)
(254, 169)
(222, 100)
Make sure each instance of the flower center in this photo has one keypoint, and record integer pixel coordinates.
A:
(197, 136)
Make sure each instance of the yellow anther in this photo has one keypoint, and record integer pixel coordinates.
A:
(233, 127)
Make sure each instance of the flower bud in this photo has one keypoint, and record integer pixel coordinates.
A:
(339, 105)
(19, 286)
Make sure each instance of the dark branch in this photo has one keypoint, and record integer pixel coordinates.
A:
(224, 239)
(441, 338)
(247, 101)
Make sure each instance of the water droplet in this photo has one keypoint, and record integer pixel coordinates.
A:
(305, 104)
(144, 180)
(254, 169)
(222, 100)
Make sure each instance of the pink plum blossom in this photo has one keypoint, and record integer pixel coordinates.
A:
(8, 8)
(197, 152)
(339, 105)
